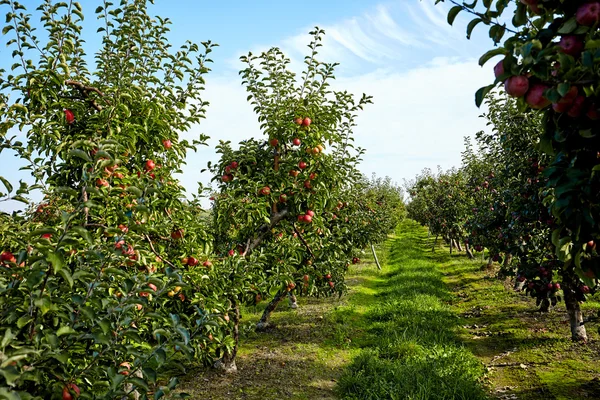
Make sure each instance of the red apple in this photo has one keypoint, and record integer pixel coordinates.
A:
(585, 289)
(307, 219)
(571, 45)
(66, 394)
(535, 97)
(294, 173)
(177, 234)
(283, 198)
(265, 191)
(167, 144)
(331, 284)
(296, 142)
(499, 69)
(149, 166)
(298, 121)
(274, 142)
(102, 182)
(306, 278)
(192, 261)
(47, 236)
(152, 286)
(310, 212)
(557, 286)
(7, 256)
(517, 86)
(593, 112)
(566, 102)
(227, 178)
(533, 5)
(591, 245)
(207, 264)
(307, 184)
(69, 116)
(234, 164)
(577, 108)
(588, 14)
(231, 253)
(302, 165)
(306, 122)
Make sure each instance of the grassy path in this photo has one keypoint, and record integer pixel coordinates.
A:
(428, 326)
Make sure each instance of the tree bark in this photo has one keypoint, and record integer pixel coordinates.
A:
(434, 243)
(544, 305)
(227, 362)
(263, 323)
(507, 260)
(450, 240)
(458, 246)
(293, 300)
(578, 332)
(469, 252)
(375, 257)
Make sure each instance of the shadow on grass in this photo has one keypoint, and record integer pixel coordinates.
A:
(412, 348)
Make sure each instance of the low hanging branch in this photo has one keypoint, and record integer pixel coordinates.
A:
(303, 241)
(85, 92)
(276, 217)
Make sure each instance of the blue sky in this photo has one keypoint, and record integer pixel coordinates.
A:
(421, 72)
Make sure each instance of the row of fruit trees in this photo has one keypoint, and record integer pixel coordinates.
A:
(529, 191)
(116, 279)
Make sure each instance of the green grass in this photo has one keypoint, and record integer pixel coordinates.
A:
(428, 326)
(411, 346)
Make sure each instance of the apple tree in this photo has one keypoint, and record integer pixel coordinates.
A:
(277, 194)
(550, 64)
(96, 299)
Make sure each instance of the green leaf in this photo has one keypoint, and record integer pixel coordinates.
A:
(568, 26)
(66, 274)
(80, 154)
(135, 191)
(492, 53)
(140, 383)
(11, 374)
(481, 93)
(65, 330)
(6, 184)
(453, 13)
(84, 233)
(8, 337)
(23, 321)
(472, 26)
(56, 260)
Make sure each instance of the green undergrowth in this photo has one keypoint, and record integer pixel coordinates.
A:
(430, 325)
(410, 348)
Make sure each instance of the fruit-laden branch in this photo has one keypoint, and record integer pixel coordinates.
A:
(156, 252)
(264, 230)
(303, 241)
(85, 91)
(484, 18)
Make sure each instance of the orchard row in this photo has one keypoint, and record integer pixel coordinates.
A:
(529, 191)
(117, 279)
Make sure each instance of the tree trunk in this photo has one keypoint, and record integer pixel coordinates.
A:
(458, 246)
(263, 323)
(375, 256)
(490, 263)
(227, 362)
(507, 260)
(131, 393)
(468, 251)
(578, 332)
(450, 240)
(544, 305)
(293, 300)
(434, 243)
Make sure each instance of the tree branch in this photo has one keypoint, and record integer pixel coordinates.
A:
(264, 230)
(85, 91)
(303, 241)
